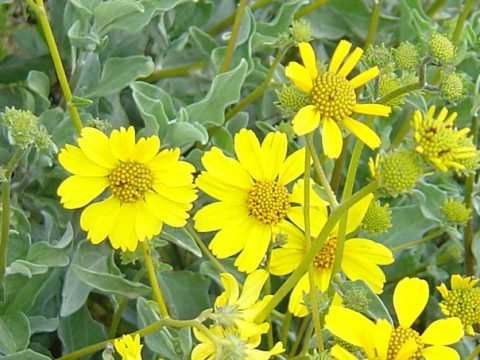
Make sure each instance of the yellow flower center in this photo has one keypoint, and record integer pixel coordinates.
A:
(399, 337)
(268, 202)
(464, 304)
(129, 181)
(326, 256)
(333, 96)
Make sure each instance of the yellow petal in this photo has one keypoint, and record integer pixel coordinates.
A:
(219, 215)
(322, 278)
(308, 58)
(251, 288)
(340, 53)
(170, 212)
(122, 143)
(202, 351)
(167, 169)
(217, 188)
(74, 161)
(146, 149)
(317, 218)
(256, 245)
(231, 239)
(230, 295)
(295, 304)
(182, 194)
(123, 234)
(295, 237)
(368, 250)
(407, 350)
(443, 332)
(96, 146)
(373, 109)
(357, 212)
(247, 148)
(350, 62)
(381, 338)
(299, 75)
(147, 224)
(285, 260)
(440, 353)
(306, 120)
(292, 167)
(364, 77)
(348, 325)
(362, 132)
(332, 140)
(99, 218)
(273, 152)
(409, 300)
(340, 353)
(77, 191)
(298, 194)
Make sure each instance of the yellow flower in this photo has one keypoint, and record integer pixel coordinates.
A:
(333, 98)
(231, 346)
(236, 312)
(462, 301)
(439, 141)
(145, 187)
(129, 348)
(381, 341)
(252, 193)
(360, 260)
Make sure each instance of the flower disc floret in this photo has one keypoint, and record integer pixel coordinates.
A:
(377, 219)
(268, 202)
(326, 256)
(129, 181)
(399, 338)
(441, 48)
(406, 56)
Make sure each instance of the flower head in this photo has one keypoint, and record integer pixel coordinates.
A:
(380, 341)
(129, 347)
(406, 56)
(145, 187)
(360, 260)
(442, 50)
(333, 97)
(252, 195)
(456, 211)
(23, 129)
(452, 87)
(377, 218)
(462, 301)
(223, 344)
(438, 141)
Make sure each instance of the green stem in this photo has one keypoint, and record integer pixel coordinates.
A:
(426, 238)
(402, 131)
(142, 332)
(308, 241)
(306, 339)
(39, 9)
(204, 249)
(233, 37)
(474, 353)
(121, 306)
(182, 70)
(285, 327)
(435, 7)
(468, 198)
(6, 211)
(309, 8)
(372, 28)
(461, 21)
(332, 199)
(261, 88)
(337, 169)
(298, 340)
(316, 246)
(152, 278)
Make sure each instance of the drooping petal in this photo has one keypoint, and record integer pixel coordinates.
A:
(309, 59)
(77, 191)
(122, 143)
(202, 351)
(362, 132)
(96, 146)
(306, 120)
(251, 288)
(409, 299)
(99, 218)
(146, 149)
(440, 352)
(123, 235)
(350, 63)
(299, 75)
(364, 77)
(339, 55)
(76, 162)
(247, 148)
(373, 109)
(230, 295)
(332, 139)
(292, 167)
(443, 332)
(219, 215)
(357, 212)
(170, 212)
(256, 245)
(348, 325)
(295, 304)
(273, 152)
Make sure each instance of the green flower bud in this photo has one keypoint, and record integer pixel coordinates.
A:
(456, 211)
(102, 125)
(386, 85)
(441, 49)
(292, 98)
(301, 31)
(452, 87)
(406, 56)
(378, 56)
(377, 218)
(356, 299)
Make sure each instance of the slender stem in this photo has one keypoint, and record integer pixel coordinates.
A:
(461, 21)
(435, 7)
(152, 278)
(306, 339)
(474, 353)
(233, 37)
(261, 88)
(372, 28)
(298, 340)
(142, 332)
(309, 8)
(285, 327)
(302, 268)
(308, 241)
(182, 70)
(204, 249)
(426, 238)
(468, 198)
(39, 9)
(337, 169)
(121, 306)
(6, 211)
(319, 171)
(402, 131)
